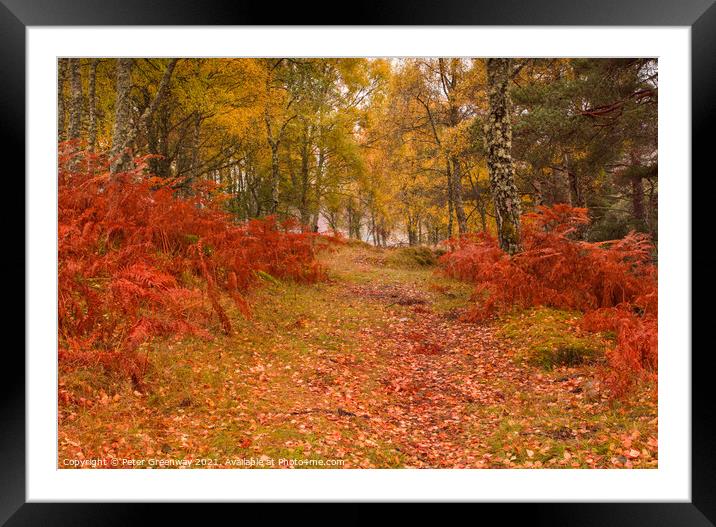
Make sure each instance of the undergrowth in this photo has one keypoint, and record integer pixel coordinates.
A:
(412, 257)
(552, 337)
(613, 283)
(136, 261)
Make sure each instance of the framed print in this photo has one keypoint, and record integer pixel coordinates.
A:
(414, 259)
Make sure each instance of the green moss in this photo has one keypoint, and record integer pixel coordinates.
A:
(549, 337)
(352, 242)
(386, 456)
(505, 434)
(565, 353)
(412, 257)
(266, 277)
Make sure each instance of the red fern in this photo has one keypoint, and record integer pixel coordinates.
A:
(136, 262)
(614, 282)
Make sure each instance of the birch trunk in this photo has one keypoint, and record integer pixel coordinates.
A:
(498, 136)
(92, 106)
(318, 191)
(457, 196)
(124, 133)
(76, 100)
(121, 160)
(61, 106)
(450, 196)
(275, 177)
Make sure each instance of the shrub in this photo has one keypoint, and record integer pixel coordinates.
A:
(615, 278)
(636, 353)
(136, 261)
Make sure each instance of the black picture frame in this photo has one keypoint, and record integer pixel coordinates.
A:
(700, 15)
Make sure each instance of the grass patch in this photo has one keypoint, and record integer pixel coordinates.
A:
(549, 337)
(412, 257)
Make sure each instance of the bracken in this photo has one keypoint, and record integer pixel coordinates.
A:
(614, 283)
(136, 262)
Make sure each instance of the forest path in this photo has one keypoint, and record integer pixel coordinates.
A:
(429, 372)
(372, 368)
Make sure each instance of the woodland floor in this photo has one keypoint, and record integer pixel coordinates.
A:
(373, 368)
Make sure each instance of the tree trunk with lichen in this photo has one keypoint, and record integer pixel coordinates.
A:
(450, 198)
(92, 106)
(498, 139)
(121, 160)
(457, 195)
(123, 133)
(275, 178)
(61, 105)
(76, 100)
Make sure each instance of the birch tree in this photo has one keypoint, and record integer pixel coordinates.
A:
(61, 106)
(120, 158)
(92, 106)
(498, 138)
(124, 133)
(76, 100)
